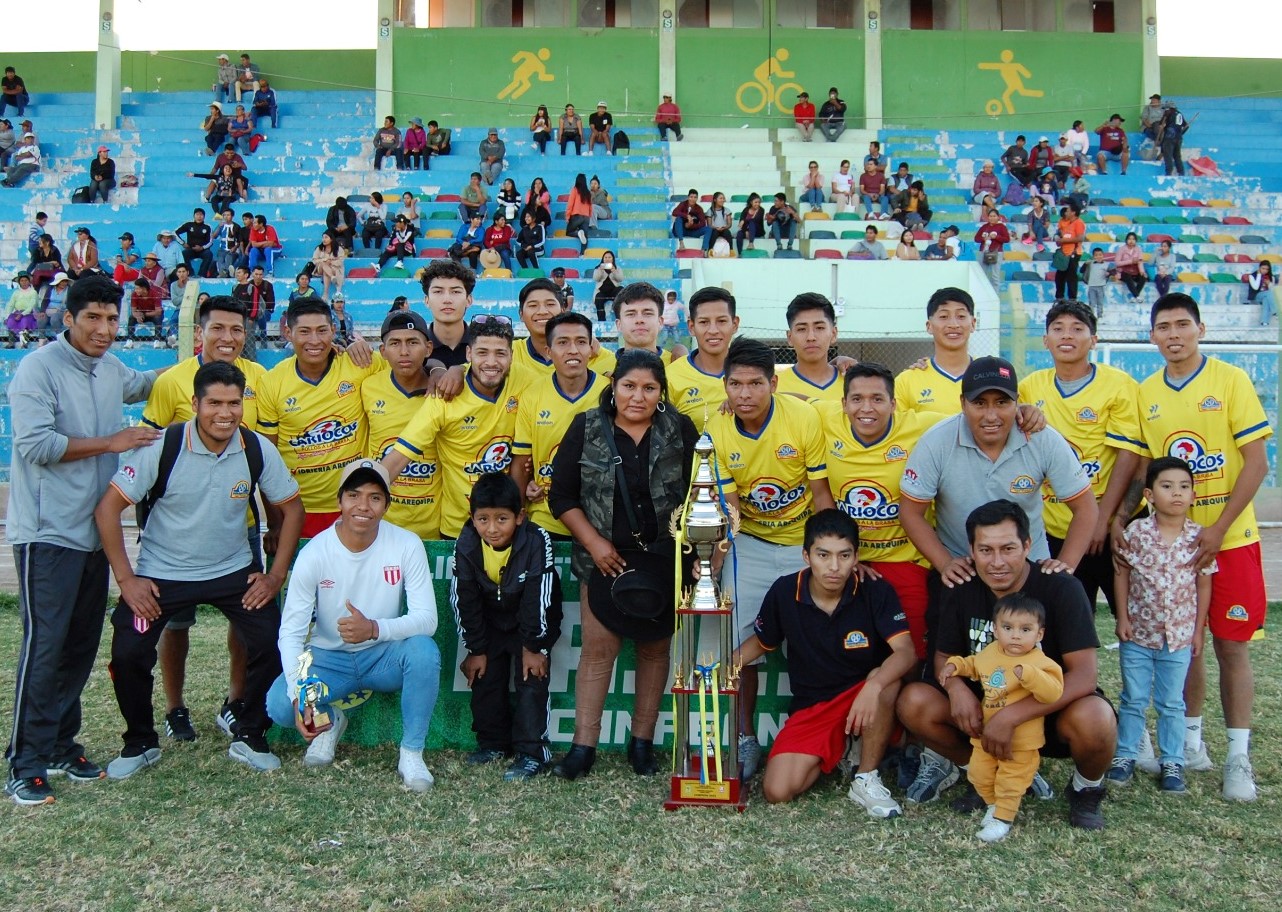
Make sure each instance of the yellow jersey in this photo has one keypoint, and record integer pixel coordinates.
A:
(865, 478)
(771, 471)
(696, 394)
(1204, 422)
(931, 389)
(1098, 420)
(792, 382)
(467, 437)
(416, 491)
(170, 399)
(528, 366)
(541, 422)
(319, 427)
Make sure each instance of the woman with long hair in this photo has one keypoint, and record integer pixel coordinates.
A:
(609, 279)
(578, 211)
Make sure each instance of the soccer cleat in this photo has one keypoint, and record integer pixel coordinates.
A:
(1199, 760)
(30, 791)
(1172, 779)
(1239, 779)
(749, 756)
(525, 767)
(414, 772)
(1145, 759)
(867, 791)
(1083, 807)
(1041, 789)
(78, 769)
(1121, 772)
(254, 753)
(227, 716)
(934, 775)
(482, 755)
(178, 725)
(127, 764)
(321, 751)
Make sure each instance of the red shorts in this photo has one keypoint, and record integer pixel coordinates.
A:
(818, 730)
(909, 582)
(1238, 604)
(316, 523)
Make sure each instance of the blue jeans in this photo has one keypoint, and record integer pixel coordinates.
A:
(1159, 674)
(777, 232)
(411, 666)
(19, 101)
(814, 196)
(882, 202)
(680, 232)
(490, 171)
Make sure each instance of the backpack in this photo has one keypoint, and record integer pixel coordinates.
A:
(169, 455)
(621, 142)
(255, 141)
(1014, 195)
(80, 195)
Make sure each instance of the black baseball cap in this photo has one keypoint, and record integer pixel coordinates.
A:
(558, 271)
(404, 319)
(984, 374)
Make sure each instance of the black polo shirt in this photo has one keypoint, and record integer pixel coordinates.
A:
(450, 357)
(829, 654)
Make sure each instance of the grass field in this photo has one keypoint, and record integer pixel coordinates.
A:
(200, 832)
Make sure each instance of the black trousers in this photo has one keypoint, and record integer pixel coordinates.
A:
(1094, 571)
(133, 652)
(497, 724)
(1066, 278)
(62, 597)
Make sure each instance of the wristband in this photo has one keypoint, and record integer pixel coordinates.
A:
(375, 623)
(435, 369)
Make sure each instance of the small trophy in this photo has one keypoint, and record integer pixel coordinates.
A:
(311, 692)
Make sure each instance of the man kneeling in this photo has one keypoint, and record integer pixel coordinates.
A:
(848, 648)
(352, 577)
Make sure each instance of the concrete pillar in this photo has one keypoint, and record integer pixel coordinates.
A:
(1152, 72)
(872, 65)
(106, 103)
(383, 103)
(667, 51)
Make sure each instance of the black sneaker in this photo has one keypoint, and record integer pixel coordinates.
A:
(78, 769)
(968, 802)
(1083, 807)
(525, 767)
(483, 755)
(227, 716)
(31, 791)
(178, 724)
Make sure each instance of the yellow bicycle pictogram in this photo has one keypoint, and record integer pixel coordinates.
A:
(766, 92)
(1013, 74)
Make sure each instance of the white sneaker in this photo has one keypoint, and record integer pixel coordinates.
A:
(1146, 761)
(414, 772)
(321, 751)
(1198, 761)
(129, 344)
(867, 791)
(257, 755)
(993, 830)
(1239, 779)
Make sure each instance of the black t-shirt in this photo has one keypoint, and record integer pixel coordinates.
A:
(13, 82)
(601, 121)
(829, 654)
(1016, 157)
(450, 357)
(197, 234)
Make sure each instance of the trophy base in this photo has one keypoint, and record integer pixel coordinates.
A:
(321, 721)
(688, 791)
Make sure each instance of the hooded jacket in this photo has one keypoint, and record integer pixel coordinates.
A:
(526, 600)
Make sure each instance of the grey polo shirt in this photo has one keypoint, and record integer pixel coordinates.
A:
(948, 468)
(197, 530)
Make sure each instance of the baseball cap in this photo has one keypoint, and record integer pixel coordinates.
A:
(103, 149)
(127, 236)
(417, 121)
(1155, 95)
(28, 136)
(404, 319)
(984, 374)
(559, 271)
(364, 471)
(81, 229)
(494, 131)
(1044, 139)
(1118, 117)
(803, 94)
(166, 233)
(601, 104)
(59, 278)
(222, 57)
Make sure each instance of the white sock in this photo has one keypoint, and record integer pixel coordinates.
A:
(1239, 741)
(1192, 733)
(1081, 782)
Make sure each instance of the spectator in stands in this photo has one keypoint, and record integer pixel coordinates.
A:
(328, 259)
(492, 151)
(409, 208)
(1039, 223)
(36, 229)
(900, 181)
(1069, 235)
(608, 279)
(469, 241)
(224, 190)
(578, 211)
(125, 263)
(224, 80)
(344, 328)
(947, 247)
(876, 156)
(13, 91)
(508, 201)
(992, 239)
(541, 128)
(154, 273)
(373, 219)
(438, 142)
(54, 305)
(303, 290)
(912, 207)
(46, 260)
(1128, 264)
(263, 245)
(24, 162)
(1080, 142)
(813, 187)
(1151, 117)
(668, 117)
(600, 125)
(225, 243)
(341, 221)
(873, 190)
(782, 219)
(530, 241)
(843, 187)
(168, 252)
(240, 128)
(600, 201)
(177, 288)
(1063, 160)
(1046, 188)
(832, 116)
(1163, 268)
(538, 201)
(247, 76)
(401, 243)
(82, 255)
(145, 307)
(498, 237)
(229, 156)
(1171, 132)
(803, 115)
(1041, 156)
(196, 240)
(400, 302)
(570, 130)
(563, 288)
(720, 222)
(1095, 273)
(216, 126)
(1114, 145)
(986, 183)
(102, 175)
(415, 145)
(1079, 189)
(259, 299)
(1260, 284)
(20, 313)
(1015, 158)
(867, 247)
(475, 199)
(752, 224)
(906, 249)
(264, 107)
(8, 141)
(387, 141)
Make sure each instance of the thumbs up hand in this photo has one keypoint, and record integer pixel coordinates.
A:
(356, 627)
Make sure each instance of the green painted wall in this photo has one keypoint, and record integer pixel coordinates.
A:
(935, 79)
(1217, 76)
(185, 71)
(66, 72)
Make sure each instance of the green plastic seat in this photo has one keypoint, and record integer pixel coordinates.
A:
(1161, 203)
(1146, 220)
(848, 217)
(1192, 239)
(1206, 258)
(1224, 278)
(443, 217)
(528, 273)
(851, 235)
(754, 255)
(1175, 220)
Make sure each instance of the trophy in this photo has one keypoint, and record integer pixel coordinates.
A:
(703, 525)
(312, 691)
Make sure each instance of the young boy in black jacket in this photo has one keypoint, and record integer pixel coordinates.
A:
(507, 604)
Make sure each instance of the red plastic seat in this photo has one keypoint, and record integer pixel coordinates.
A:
(1190, 203)
(690, 253)
(922, 235)
(571, 273)
(449, 198)
(1238, 258)
(563, 198)
(827, 253)
(1236, 220)
(565, 253)
(433, 253)
(1158, 238)
(364, 272)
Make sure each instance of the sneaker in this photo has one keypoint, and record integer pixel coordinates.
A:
(130, 762)
(1146, 760)
(993, 830)
(867, 791)
(849, 762)
(1198, 761)
(78, 769)
(1172, 779)
(178, 725)
(749, 756)
(525, 767)
(1239, 779)
(158, 344)
(1040, 789)
(934, 775)
(31, 791)
(909, 765)
(129, 344)
(968, 802)
(481, 756)
(1083, 807)
(254, 753)
(414, 772)
(321, 751)
(226, 718)
(1122, 771)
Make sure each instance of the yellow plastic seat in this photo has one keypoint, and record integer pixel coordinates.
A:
(439, 233)
(1099, 237)
(818, 216)
(1115, 220)
(594, 253)
(1018, 256)
(1220, 204)
(1192, 278)
(1132, 202)
(1222, 239)
(497, 274)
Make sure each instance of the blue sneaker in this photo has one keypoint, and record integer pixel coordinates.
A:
(934, 775)
(1121, 772)
(749, 756)
(1172, 779)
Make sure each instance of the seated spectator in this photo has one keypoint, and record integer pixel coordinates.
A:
(992, 239)
(803, 115)
(36, 229)
(20, 313)
(1015, 158)
(469, 240)
(541, 128)
(328, 259)
(600, 125)
(24, 162)
(668, 117)
(263, 108)
(578, 211)
(608, 279)
(530, 241)
(264, 245)
(197, 236)
(145, 307)
(492, 151)
(1063, 160)
(1114, 145)
(813, 187)
(752, 224)
(947, 247)
(1150, 116)
(224, 190)
(906, 249)
(82, 255)
(782, 218)
(341, 221)
(600, 201)
(155, 274)
(387, 141)
(1079, 190)
(1080, 142)
(401, 243)
(49, 315)
(873, 190)
(247, 77)
(303, 290)
(8, 141)
(570, 130)
(876, 156)
(216, 126)
(539, 201)
(1164, 266)
(168, 252)
(1128, 265)
(126, 261)
(225, 79)
(498, 237)
(900, 180)
(13, 91)
(867, 247)
(373, 217)
(1039, 223)
(689, 220)
(240, 128)
(46, 261)
(720, 222)
(229, 244)
(474, 198)
(508, 201)
(563, 288)
(986, 183)
(843, 186)
(229, 156)
(1041, 156)
(438, 142)
(344, 327)
(911, 207)
(415, 145)
(102, 175)
(1047, 189)
(1261, 285)
(832, 116)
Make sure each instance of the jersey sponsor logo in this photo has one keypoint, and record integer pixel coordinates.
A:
(249, 392)
(1091, 467)
(291, 403)
(240, 490)
(544, 417)
(838, 446)
(513, 404)
(414, 470)
(1153, 413)
(997, 679)
(326, 584)
(496, 457)
(545, 470)
(1023, 484)
(1210, 404)
(855, 639)
(392, 574)
(129, 472)
(869, 504)
(1236, 613)
(910, 474)
(469, 421)
(1040, 403)
(769, 495)
(323, 436)
(380, 404)
(896, 454)
(1194, 452)
(345, 388)
(787, 451)
(1086, 415)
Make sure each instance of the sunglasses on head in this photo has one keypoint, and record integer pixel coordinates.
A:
(491, 325)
